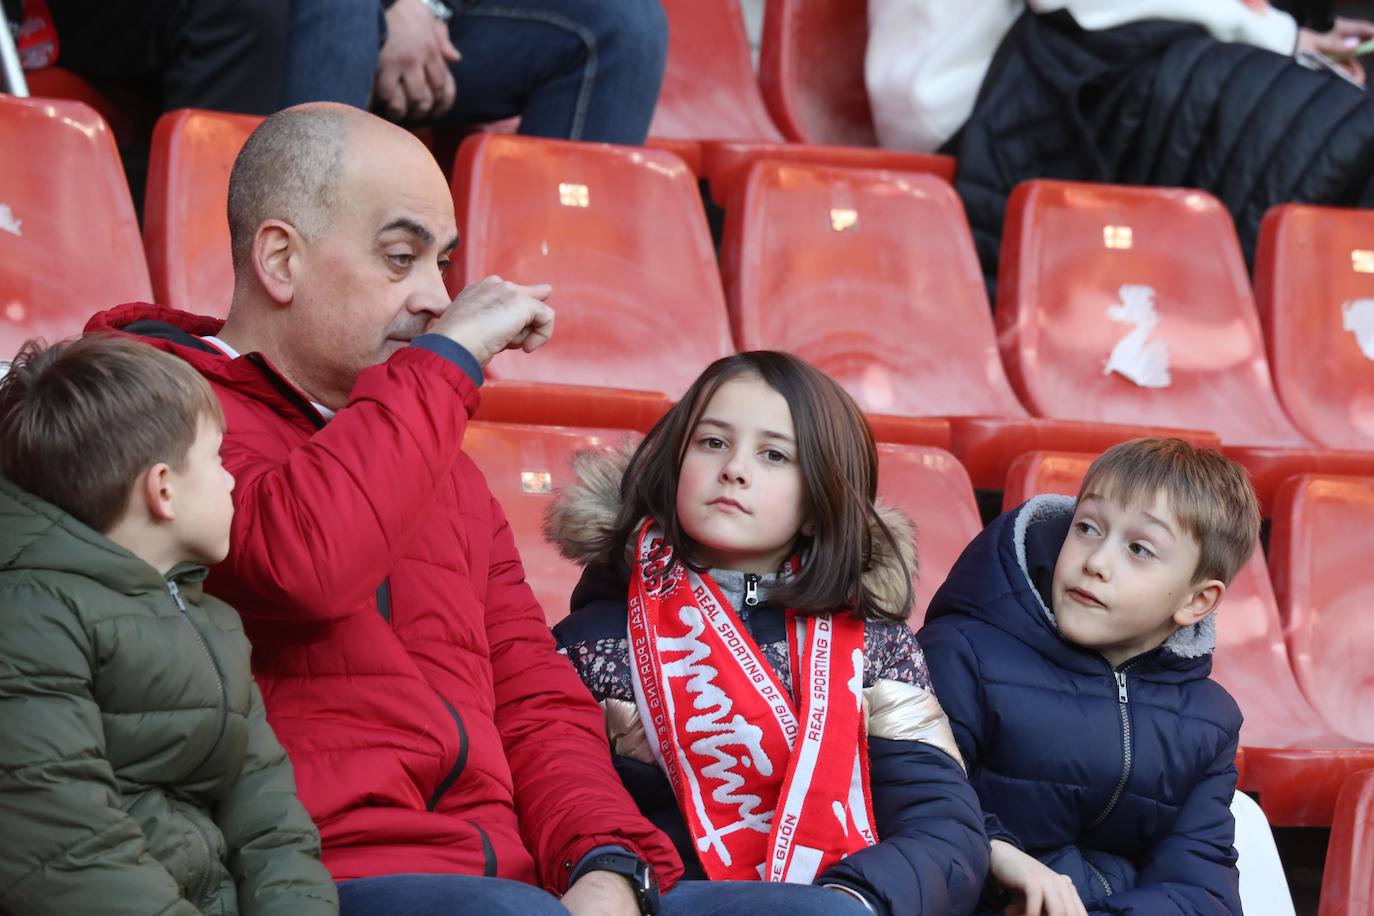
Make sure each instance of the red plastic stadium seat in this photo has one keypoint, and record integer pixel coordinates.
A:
(1314, 284)
(1348, 879)
(550, 404)
(811, 69)
(930, 486)
(1321, 544)
(1293, 760)
(725, 163)
(709, 90)
(185, 229)
(127, 115)
(872, 276)
(525, 466)
(69, 242)
(620, 233)
(1075, 255)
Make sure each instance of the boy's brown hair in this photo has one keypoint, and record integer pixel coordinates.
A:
(839, 467)
(1208, 492)
(80, 420)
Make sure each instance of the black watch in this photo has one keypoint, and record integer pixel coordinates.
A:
(635, 870)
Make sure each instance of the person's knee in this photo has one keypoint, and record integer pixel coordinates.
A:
(637, 31)
(256, 19)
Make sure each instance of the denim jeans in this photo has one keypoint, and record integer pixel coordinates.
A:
(572, 69)
(466, 895)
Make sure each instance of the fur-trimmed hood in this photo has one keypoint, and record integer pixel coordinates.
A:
(584, 512)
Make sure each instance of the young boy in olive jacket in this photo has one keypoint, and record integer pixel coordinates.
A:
(138, 774)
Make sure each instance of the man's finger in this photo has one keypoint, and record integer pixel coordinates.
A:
(418, 95)
(446, 46)
(391, 93)
(1033, 901)
(540, 291)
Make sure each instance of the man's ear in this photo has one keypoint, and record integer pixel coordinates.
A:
(1205, 598)
(155, 489)
(276, 259)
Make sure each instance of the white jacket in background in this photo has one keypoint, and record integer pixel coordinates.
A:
(926, 58)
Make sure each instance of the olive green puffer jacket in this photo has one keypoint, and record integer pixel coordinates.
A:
(138, 774)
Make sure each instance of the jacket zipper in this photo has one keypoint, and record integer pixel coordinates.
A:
(214, 666)
(751, 590)
(202, 886)
(1100, 877)
(462, 760)
(1123, 700)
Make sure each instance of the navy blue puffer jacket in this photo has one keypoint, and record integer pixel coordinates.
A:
(1122, 779)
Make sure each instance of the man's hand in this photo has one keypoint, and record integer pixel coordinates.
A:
(494, 315)
(601, 893)
(1039, 891)
(1339, 44)
(413, 77)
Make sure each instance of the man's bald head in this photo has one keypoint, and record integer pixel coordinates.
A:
(290, 169)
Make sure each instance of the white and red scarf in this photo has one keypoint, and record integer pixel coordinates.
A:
(771, 788)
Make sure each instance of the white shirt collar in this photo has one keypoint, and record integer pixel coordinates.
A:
(234, 354)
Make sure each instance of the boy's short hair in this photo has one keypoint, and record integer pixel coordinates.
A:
(1208, 492)
(80, 420)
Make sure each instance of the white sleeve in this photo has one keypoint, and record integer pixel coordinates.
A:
(1252, 22)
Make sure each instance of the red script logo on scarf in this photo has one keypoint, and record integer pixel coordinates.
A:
(770, 788)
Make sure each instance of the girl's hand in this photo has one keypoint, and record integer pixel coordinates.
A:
(1339, 44)
(1039, 891)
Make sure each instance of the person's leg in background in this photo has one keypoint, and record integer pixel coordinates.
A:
(571, 69)
(332, 52)
(226, 55)
(444, 895)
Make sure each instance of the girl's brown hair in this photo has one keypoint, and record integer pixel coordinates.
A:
(839, 469)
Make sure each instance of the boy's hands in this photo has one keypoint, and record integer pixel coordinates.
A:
(1039, 891)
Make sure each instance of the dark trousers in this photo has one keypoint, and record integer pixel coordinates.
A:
(226, 55)
(572, 69)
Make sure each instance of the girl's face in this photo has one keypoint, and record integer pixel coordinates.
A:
(739, 493)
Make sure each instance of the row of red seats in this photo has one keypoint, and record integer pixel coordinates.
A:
(869, 274)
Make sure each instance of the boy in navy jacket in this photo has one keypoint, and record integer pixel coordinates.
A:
(1071, 647)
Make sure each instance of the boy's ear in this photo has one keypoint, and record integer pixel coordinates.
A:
(1206, 597)
(155, 487)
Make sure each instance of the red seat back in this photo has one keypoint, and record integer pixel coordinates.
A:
(1251, 660)
(931, 487)
(872, 277)
(525, 466)
(709, 91)
(1320, 545)
(185, 220)
(811, 70)
(1074, 254)
(620, 233)
(69, 243)
(1314, 284)
(1348, 878)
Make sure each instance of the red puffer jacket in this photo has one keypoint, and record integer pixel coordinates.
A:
(405, 663)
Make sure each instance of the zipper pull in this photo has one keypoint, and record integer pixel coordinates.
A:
(751, 589)
(176, 595)
(1121, 696)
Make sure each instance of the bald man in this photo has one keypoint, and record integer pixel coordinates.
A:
(453, 761)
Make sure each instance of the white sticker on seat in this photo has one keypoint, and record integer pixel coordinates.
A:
(1357, 317)
(1135, 356)
(8, 221)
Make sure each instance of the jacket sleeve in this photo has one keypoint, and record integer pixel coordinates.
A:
(932, 857)
(959, 685)
(66, 848)
(1191, 871)
(567, 794)
(315, 534)
(274, 848)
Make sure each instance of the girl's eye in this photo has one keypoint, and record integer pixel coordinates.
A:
(402, 261)
(1085, 528)
(774, 456)
(714, 443)
(1140, 551)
